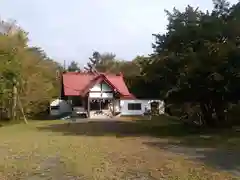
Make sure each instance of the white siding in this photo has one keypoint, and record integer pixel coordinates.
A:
(145, 104)
(96, 87)
(107, 95)
(94, 94)
(100, 95)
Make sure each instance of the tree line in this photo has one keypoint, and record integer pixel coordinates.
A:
(196, 63)
(194, 68)
(27, 75)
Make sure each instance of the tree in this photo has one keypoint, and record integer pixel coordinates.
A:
(11, 47)
(101, 62)
(73, 67)
(106, 63)
(27, 75)
(197, 59)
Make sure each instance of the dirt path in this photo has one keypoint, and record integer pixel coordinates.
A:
(218, 158)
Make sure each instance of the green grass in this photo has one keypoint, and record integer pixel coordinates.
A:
(104, 150)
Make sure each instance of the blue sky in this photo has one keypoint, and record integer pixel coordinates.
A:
(73, 29)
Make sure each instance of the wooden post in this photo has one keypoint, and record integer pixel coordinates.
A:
(21, 107)
(88, 107)
(83, 102)
(113, 101)
(14, 101)
(100, 105)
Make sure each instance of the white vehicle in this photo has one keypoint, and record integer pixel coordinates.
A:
(59, 107)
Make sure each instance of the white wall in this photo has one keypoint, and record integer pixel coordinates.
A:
(97, 87)
(144, 104)
(100, 95)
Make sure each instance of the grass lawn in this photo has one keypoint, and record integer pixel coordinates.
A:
(102, 150)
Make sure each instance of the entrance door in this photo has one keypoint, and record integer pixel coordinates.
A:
(99, 104)
(95, 105)
(105, 104)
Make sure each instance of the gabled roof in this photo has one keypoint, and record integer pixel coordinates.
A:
(78, 84)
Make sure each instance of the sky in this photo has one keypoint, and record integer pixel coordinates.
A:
(73, 29)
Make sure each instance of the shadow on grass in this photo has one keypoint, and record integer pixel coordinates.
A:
(119, 128)
(217, 149)
(161, 127)
(48, 117)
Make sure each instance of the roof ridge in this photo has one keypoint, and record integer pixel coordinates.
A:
(92, 74)
(77, 83)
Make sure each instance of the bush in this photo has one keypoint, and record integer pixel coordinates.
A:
(234, 114)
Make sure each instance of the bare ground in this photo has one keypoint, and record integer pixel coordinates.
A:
(115, 150)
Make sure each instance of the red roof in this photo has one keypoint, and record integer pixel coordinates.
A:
(78, 84)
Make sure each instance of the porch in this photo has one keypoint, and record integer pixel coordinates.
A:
(100, 102)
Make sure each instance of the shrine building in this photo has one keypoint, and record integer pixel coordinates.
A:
(96, 92)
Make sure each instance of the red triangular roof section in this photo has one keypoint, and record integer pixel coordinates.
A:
(78, 84)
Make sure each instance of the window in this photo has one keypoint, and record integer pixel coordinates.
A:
(105, 87)
(55, 107)
(75, 101)
(134, 106)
